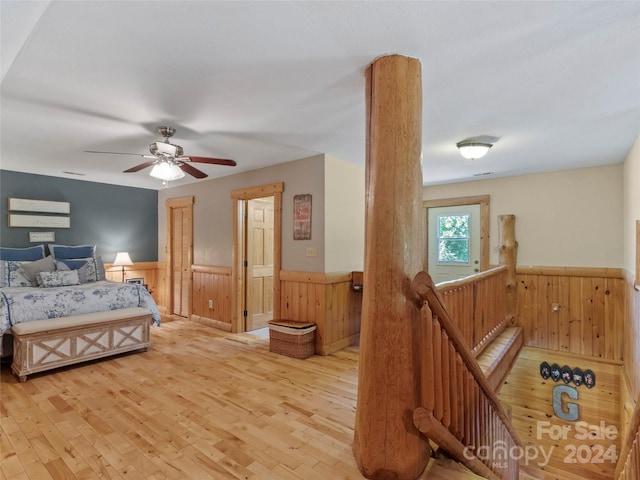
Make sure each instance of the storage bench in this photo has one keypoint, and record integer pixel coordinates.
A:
(45, 344)
(294, 339)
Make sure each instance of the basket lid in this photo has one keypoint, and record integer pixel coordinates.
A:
(291, 324)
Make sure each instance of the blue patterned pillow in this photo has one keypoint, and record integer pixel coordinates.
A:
(91, 266)
(11, 275)
(59, 278)
(78, 265)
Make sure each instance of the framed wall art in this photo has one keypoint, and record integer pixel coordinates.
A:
(41, 206)
(41, 221)
(302, 217)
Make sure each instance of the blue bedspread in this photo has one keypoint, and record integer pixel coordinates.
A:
(27, 304)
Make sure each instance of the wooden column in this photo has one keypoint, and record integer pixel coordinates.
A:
(386, 444)
(508, 257)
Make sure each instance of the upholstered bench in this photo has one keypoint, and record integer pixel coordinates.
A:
(45, 344)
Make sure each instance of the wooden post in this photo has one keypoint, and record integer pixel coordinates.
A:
(387, 445)
(508, 257)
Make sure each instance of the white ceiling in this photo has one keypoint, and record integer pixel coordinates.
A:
(270, 82)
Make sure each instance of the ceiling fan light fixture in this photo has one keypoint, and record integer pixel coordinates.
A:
(165, 149)
(473, 149)
(166, 171)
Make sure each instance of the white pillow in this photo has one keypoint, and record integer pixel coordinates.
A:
(59, 278)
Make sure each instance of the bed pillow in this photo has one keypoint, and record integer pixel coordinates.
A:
(12, 276)
(91, 267)
(79, 265)
(60, 252)
(59, 278)
(87, 253)
(100, 272)
(30, 269)
(28, 254)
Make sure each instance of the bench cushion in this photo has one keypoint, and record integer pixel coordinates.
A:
(87, 319)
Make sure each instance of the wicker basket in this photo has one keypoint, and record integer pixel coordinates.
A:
(293, 339)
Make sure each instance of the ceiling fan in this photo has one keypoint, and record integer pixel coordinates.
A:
(169, 162)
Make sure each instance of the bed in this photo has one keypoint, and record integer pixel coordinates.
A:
(69, 281)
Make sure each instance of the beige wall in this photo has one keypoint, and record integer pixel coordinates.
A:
(567, 218)
(344, 215)
(213, 237)
(631, 205)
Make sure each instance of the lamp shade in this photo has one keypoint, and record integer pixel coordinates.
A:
(166, 171)
(473, 150)
(122, 259)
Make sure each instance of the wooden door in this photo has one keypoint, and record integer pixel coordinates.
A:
(260, 262)
(180, 243)
(454, 242)
(240, 198)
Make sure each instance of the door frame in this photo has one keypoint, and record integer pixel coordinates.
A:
(238, 277)
(171, 203)
(483, 201)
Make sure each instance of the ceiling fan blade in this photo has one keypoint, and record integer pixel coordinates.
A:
(194, 172)
(121, 153)
(214, 161)
(137, 168)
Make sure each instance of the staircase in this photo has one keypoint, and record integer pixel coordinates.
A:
(460, 410)
(499, 356)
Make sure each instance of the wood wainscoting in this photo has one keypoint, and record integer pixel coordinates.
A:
(327, 300)
(631, 344)
(574, 310)
(212, 283)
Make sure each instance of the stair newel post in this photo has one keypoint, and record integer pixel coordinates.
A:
(386, 443)
(508, 256)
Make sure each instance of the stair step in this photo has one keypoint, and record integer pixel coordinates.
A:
(499, 356)
(447, 469)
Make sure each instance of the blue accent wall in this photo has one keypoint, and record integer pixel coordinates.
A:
(112, 217)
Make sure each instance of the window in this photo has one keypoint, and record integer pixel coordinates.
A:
(453, 239)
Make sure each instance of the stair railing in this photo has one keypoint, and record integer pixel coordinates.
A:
(477, 305)
(460, 411)
(628, 466)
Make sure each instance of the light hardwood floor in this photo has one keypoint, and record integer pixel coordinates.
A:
(201, 404)
(206, 404)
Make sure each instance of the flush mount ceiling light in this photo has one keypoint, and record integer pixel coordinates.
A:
(473, 149)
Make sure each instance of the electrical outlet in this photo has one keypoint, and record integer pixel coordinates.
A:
(210, 303)
(311, 251)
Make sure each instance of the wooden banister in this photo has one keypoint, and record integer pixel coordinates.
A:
(431, 427)
(477, 304)
(629, 444)
(461, 411)
(460, 282)
(423, 285)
